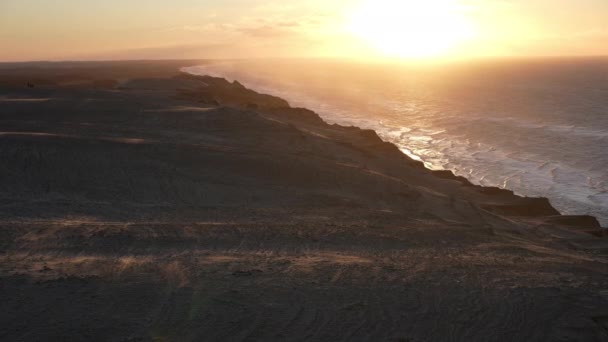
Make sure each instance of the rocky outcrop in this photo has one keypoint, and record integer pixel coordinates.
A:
(218, 91)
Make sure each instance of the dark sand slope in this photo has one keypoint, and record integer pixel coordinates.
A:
(192, 209)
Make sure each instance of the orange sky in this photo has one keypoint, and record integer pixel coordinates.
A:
(154, 29)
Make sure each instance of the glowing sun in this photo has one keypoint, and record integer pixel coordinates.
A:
(410, 28)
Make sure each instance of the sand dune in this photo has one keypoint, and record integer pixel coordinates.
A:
(186, 208)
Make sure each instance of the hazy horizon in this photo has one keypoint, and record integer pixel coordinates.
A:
(380, 61)
(68, 30)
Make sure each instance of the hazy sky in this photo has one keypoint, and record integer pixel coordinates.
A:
(120, 29)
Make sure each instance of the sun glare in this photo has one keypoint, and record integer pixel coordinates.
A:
(410, 28)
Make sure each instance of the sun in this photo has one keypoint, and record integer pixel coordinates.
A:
(410, 28)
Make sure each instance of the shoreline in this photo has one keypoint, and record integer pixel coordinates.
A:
(137, 204)
(523, 176)
(445, 173)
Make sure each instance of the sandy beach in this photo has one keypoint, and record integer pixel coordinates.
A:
(141, 204)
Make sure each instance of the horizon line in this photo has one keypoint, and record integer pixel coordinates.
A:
(404, 60)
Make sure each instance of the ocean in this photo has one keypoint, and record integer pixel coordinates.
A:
(538, 127)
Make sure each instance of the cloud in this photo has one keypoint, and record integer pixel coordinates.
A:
(279, 27)
(168, 52)
(197, 28)
(271, 30)
(259, 33)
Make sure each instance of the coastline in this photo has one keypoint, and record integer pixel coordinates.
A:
(543, 203)
(140, 205)
(472, 142)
